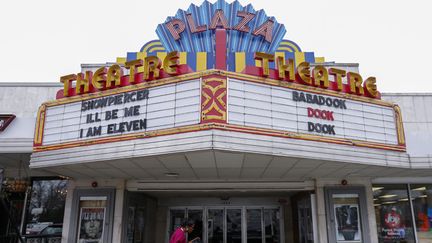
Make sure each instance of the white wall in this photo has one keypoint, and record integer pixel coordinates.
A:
(23, 101)
(417, 119)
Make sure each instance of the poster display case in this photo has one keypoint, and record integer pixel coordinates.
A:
(347, 215)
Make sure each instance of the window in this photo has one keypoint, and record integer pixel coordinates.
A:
(393, 213)
(421, 196)
(46, 204)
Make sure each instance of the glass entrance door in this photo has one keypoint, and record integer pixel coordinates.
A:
(254, 225)
(272, 225)
(197, 216)
(304, 214)
(177, 215)
(233, 227)
(215, 225)
(263, 225)
(231, 224)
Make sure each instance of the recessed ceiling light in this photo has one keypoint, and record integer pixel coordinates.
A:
(172, 174)
(420, 189)
(388, 196)
(391, 202)
(377, 188)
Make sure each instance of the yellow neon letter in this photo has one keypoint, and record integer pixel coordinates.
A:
(99, 77)
(152, 64)
(371, 87)
(303, 71)
(114, 75)
(338, 74)
(67, 80)
(320, 77)
(355, 82)
(171, 62)
(133, 67)
(265, 59)
(83, 83)
(284, 68)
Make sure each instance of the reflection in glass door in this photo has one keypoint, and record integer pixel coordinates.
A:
(263, 225)
(176, 218)
(304, 214)
(197, 216)
(272, 225)
(215, 225)
(233, 225)
(254, 226)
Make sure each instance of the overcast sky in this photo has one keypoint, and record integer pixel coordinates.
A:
(45, 39)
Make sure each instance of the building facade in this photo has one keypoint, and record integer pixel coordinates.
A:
(224, 122)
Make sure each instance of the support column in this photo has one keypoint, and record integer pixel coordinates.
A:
(67, 211)
(371, 211)
(321, 212)
(118, 212)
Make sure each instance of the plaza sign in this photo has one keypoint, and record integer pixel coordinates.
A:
(176, 26)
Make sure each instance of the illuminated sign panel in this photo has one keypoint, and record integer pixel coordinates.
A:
(124, 113)
(279, 108)
(219, 100)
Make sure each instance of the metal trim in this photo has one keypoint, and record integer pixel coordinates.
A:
(412, 213)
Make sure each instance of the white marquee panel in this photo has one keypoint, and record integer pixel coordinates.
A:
(167, 106)
(265, 106)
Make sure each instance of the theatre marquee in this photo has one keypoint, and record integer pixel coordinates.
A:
(230, 71)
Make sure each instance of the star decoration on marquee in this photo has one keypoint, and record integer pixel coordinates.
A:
(213, 99)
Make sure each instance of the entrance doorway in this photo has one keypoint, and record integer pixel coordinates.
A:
(222, 217)
(231, 224)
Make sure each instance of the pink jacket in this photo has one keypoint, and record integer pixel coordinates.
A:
(178, 236)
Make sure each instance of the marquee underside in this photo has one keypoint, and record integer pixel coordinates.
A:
(225, 165)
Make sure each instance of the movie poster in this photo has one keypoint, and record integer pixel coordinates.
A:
(393, 227)
(91, 225)
(347, 223)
